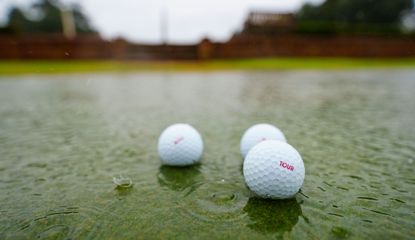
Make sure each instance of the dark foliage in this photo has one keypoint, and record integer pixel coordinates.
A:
(49, 20)
(353, 16)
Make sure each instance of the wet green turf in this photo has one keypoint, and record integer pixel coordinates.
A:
(64, 137)
(39, 67)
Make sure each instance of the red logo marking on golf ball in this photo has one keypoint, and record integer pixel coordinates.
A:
(263, 139)
(178, 140)
(286, 165)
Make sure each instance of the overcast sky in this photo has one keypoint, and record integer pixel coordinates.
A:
(188, 20)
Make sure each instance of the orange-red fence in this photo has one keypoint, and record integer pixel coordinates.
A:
(93, 47)
(316, 46)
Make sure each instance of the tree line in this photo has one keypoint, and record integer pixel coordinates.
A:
(353, 16)
(45, 16)
(332, 16)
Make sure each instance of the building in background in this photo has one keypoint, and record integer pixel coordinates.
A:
(267, 23)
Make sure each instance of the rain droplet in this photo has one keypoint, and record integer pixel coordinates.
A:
(122, 182)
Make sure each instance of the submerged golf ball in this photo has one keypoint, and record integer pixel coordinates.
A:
(180, 145)
(259, 133)
(274, 169)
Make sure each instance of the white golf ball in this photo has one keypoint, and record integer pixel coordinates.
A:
(180, 145)
(274, 169)
(259, 133)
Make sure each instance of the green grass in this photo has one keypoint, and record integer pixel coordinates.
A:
(77, 66)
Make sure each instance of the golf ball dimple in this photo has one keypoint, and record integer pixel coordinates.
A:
(259, 133)
(274, 169)
(180, 145)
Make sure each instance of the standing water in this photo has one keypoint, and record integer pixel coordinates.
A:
(64, 139)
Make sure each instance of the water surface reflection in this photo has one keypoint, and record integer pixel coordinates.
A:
(272, 216)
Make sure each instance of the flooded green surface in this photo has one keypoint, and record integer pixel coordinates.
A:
(63, 138)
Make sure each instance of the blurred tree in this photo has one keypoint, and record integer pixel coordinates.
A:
(81, 21)
(50, 20)
(6, 30)
(17, 21)
(353, 15)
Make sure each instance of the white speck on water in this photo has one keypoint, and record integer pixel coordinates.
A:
(122, 182)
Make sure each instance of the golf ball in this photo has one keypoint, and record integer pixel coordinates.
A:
(180, 145)
(274, 169)
(259, 133)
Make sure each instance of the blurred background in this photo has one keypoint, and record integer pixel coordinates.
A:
(201, 30)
